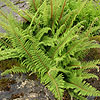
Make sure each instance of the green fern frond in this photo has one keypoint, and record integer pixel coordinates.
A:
(82, 88)
(42, 65)
(14, 70)
(89, 75)
(47, 41)
(42, 32)
(68, 36)
(45, 14)
(8, 53)
(79, 10)
(75, 95)
(91, 64)
(55, 83)
(79, 45)
(60, 31)
(65, 18)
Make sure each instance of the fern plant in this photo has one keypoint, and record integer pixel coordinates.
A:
(88, 13)
(48, 43)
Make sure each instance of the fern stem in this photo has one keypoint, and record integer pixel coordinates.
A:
(34, 5)
(67, 19)
(42, 62)
(12, 6)
(89, 30)
(62, 11)
(84, 67)
(40, 2)
(55, 85)
(60, 45)
(21, 15)
(21, 44)
(28, 52)
(78, 86)
(51, 9)
(27, 14)
(69, 16)
(72, 48)
(82, 6)
(58, 70)
(69, 50)
(71, 98)
(3, 14)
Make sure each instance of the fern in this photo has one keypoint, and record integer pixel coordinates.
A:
(82, 88)
(8, 53)
(48, 43)
(15, 69)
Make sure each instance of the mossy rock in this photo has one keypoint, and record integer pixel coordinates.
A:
(97, 38)
(5, 84)
(94, 53)
(7, 64)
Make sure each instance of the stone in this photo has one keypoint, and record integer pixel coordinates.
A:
(33, 95)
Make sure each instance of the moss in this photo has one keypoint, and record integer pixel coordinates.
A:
(7, 64)
(97, 38)
(94, 53)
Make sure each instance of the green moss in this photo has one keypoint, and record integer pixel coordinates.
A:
(7, 64)
(94, 53)
(97, 38)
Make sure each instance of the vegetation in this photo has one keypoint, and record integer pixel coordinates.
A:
(49, 43)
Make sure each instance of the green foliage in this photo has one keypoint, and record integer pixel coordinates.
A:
(49, 43)
(90, 11)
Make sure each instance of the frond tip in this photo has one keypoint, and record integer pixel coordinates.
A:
(82, 88)
(14, 70)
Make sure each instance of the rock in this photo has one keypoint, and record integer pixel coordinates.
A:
(25, 89)
(33, 95)
(2, 30)
(4, 99)
(90, 98)
(19, 3)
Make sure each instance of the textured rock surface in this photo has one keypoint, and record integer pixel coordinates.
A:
(25, 89)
